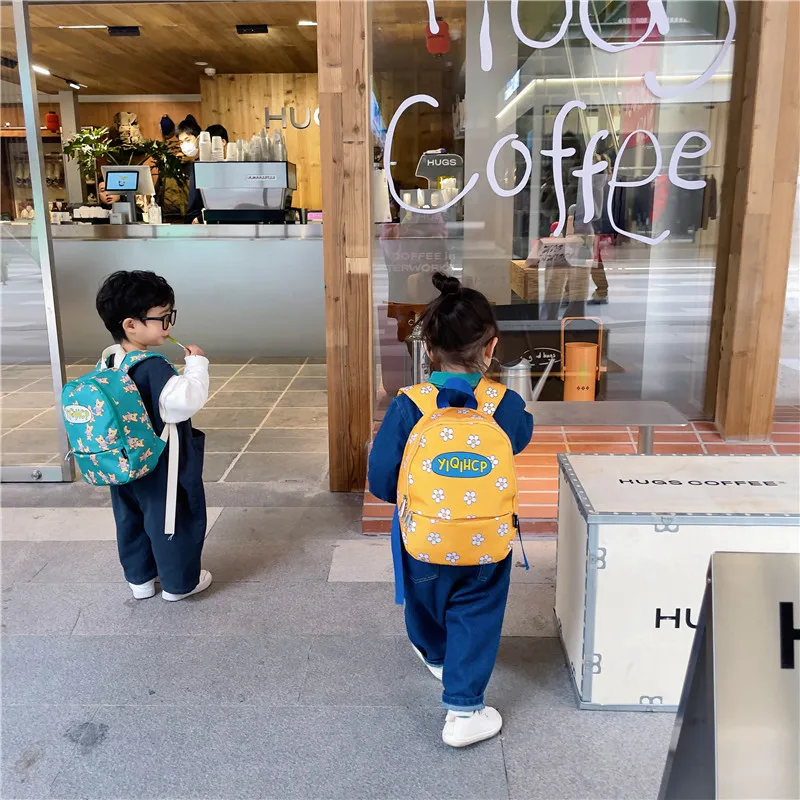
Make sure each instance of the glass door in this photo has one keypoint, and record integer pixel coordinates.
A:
(33, 443)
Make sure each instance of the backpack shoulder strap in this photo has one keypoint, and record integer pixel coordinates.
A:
(136, 357)
(489, 394)
(423, 396)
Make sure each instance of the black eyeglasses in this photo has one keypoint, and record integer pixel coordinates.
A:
(166, 320)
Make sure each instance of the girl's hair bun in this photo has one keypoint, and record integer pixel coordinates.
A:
(446, 284)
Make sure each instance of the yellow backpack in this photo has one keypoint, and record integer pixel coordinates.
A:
(457, 490)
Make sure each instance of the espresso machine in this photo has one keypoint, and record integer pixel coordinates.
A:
(247, 191)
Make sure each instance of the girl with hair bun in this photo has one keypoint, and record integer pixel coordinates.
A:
(454, 611)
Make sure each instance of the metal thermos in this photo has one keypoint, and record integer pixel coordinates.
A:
(420, 363)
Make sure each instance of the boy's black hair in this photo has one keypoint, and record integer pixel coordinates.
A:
(458, 325)
(217, 130)
(130, 295)
(188, 125)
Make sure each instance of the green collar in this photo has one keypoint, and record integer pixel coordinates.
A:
(439, 379)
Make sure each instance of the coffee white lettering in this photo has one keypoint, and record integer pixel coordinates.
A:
(613, 183)
(432, 23)
(387, 159)
(587, 172)
(678, 153)
(533, 42)
(486, 39)
(658, 19)
(557, 154)
(651, 80)
(490, 166)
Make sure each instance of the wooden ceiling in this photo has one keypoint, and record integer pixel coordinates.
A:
(176, 35)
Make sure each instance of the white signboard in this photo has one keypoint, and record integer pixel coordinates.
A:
(737, 734)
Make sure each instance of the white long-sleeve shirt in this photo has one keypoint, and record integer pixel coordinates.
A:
(183, 395)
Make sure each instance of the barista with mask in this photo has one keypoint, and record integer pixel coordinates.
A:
(188, 132)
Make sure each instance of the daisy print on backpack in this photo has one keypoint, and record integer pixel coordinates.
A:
(463, 476)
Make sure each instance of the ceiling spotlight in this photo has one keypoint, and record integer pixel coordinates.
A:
(124, 30)
(246, 30)
(306, 23)
(40, 70)
(72, 84)
(201, 63)
(82, 27)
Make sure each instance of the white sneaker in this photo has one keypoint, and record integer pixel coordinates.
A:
(435, 670)
(141, 591)
(202, 585)
(461, 731)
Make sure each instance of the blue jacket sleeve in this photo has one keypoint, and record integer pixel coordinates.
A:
(388, 447)
(512, 417)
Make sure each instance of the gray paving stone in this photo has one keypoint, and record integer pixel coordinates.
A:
(20, 562)
(255, 384)
(226, 441)
(294, 524)
(530, 610)
(41, 609)
(153, 670)
(367, 671)
(38, 741)
(215, 465)
(13, 417)
(249, 418)
(284, 440)
(303, 399)
(245, 752)
(350, 609)
(269, 371)
(272, 495)
(225, 609)
(37, 400)
(275, 562)
(561, 752)
(313, 371)
(27, 440)
(297, 418)
(239, 399)
(316, 384)
(307, 468)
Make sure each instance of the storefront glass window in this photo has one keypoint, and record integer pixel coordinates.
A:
(788, 390)
(566, 160)
(31, 447)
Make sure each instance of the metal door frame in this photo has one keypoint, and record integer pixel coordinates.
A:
(64, 470)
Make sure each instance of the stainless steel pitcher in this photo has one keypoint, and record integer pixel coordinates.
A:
(517, 377)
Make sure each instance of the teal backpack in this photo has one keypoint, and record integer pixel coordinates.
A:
(109, 430)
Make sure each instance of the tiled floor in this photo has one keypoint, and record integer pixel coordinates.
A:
(537, 466)
(265, 418)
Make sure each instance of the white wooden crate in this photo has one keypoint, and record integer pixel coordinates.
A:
(635, 534)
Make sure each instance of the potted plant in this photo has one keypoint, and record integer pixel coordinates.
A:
(92, 145)
(87, 147)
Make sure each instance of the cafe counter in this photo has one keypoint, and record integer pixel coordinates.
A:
(241, 290)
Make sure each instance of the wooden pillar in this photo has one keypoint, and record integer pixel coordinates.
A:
(343, 36)
(759, 189)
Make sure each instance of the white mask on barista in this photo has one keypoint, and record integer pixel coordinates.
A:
(189, 148)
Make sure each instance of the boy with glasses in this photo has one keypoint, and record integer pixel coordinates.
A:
(138, 309)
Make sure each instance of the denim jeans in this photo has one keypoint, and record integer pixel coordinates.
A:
(454, 616)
